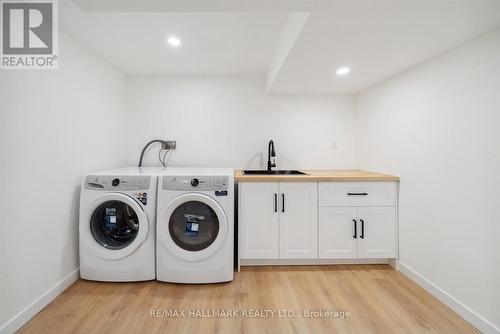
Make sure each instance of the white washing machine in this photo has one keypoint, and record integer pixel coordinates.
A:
(117, 225)
(195, 225)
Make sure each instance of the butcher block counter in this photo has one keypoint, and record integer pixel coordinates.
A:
(332, 175)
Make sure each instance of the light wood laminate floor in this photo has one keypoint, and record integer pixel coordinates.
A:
(378, 299)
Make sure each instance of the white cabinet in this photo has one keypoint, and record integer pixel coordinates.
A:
(363, 232)
(278, 220)
(377, 237)
(298, 227)
(311, 221)
(357, 220)
(258, 220)
(337, 233)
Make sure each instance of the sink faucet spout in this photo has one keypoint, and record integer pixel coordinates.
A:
(271, 155)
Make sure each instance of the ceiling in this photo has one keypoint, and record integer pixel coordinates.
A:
(377, 39)
(298, 44)
(212, 43)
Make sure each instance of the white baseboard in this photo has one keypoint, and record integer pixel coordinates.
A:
(469, 315)
(308, 262)
(29, 312)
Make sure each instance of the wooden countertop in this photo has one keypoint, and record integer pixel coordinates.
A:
(318, 175)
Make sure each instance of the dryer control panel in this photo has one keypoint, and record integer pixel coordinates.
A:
(195, 182)
(117, 182)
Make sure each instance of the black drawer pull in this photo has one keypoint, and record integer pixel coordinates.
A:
(275, 202)
(357, 194)
(362, 236)
(355, 236)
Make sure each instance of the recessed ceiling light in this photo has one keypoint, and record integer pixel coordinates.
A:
(343, 71)
(174, 41)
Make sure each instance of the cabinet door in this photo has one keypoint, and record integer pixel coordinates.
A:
(258, 220)
(298, 220)
(337, 235)
(377, 232)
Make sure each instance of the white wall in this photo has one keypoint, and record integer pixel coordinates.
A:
(228, 121)
(56, 125)
(438, 127)
(2, 241)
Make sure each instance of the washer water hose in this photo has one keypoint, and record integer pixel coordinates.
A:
(146, 147)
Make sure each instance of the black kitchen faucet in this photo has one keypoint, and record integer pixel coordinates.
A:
(271, 155)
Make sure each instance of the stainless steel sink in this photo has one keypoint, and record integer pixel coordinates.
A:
(273, 172)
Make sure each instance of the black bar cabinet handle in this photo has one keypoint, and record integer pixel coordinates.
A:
(282, 202)
(362, 236)
(275, 202)
(355, 235)
(357, 194)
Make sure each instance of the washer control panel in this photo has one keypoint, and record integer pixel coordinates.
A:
(199, 183)
(120, 183)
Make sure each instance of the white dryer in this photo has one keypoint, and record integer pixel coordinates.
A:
(195, 225)
(117, 225)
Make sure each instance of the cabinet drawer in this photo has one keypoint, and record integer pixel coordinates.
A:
(357, 193)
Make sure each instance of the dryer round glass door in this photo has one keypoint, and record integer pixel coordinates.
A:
(117, 226)
(114, 224)
(193, 226)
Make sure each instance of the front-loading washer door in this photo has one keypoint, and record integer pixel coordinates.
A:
(118, 226)
(193, 227)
